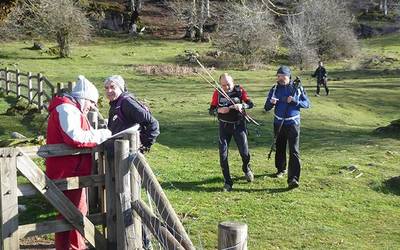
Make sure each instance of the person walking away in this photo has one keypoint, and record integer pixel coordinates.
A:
(232, 124)
(68, 124)
(286, 98)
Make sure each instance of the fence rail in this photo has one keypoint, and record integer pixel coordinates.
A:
(116, 223)
(35, 88)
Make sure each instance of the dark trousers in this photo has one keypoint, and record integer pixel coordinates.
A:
(288, 134)
(324, 83)
(238, 131)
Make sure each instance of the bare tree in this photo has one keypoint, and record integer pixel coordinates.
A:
(61, 20)
(301, 38)
(323, 28)
(194, 13)
(248, 30)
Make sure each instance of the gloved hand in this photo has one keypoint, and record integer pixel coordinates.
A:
(144, 149)
(237, 106)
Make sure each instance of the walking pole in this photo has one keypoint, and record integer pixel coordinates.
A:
(215, 85)
(296, 84)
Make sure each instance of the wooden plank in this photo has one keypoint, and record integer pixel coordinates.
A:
(40, 91)
(232, 235)
(134, 143)
(54, 150)
(124, 223)
(7, 82)
(55, 226)
(110, 199)
(56, 198)
(163, 205)
(164, 237)
(18, 81)
(65, 184)
(30, 93)
(8, 199)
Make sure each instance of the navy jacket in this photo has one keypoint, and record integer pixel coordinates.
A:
(290, 112)
(320, 73)
(133, 113)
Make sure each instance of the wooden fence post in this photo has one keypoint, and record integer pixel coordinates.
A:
(7, 82)
(124, 225)
(110, 198)
(30, 96)
(134, 143)
(18, 83)
(93, 191)
(60, 86)
(232, 235)
(40, 91)
(71, 85)
(8, 200)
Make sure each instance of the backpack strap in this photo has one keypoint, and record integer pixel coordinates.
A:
(119, 106)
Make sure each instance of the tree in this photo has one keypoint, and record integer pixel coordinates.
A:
(194, 13)
(322, 27)
(248, 30)
(61, 20)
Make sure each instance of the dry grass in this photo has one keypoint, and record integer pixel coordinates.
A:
(166, 70)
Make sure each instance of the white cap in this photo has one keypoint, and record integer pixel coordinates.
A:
(118, 80)
(84, 89)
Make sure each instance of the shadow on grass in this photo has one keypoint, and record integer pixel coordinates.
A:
(390, 186)
(201, 186)
(364, 74)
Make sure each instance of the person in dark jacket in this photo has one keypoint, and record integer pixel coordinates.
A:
(232, 123)
(125, 111)
(287, 98)
(321, 75)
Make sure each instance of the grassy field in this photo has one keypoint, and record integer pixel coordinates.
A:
(333, 208)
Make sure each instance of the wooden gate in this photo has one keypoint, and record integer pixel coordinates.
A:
(116, 180)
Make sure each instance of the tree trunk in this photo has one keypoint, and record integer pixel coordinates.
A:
(63, 44)
(385, 8)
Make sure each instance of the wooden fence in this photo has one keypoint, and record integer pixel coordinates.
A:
(117, 179)
(35, 88)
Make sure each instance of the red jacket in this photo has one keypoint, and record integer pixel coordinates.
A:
(68, 125)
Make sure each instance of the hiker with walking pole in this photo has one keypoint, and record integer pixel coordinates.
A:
(287, 97)
(229, 102)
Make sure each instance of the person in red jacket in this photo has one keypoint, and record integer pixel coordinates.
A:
(68, 124)
(232, 124)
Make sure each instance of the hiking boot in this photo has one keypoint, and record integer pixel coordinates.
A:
(280, 174)
(316, 95)
(293, 184)
(249, 176)
(227, 187)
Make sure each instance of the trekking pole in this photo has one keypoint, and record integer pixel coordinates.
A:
(296, 84)
(216, 86)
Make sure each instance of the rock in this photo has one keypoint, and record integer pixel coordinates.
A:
(16, 135)
(38, 46)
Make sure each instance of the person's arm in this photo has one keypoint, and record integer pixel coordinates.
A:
(315, 73)
(247, 103)
(269, 102)
(73, 134)
(213, 104)
(300, 98)
(134, 113)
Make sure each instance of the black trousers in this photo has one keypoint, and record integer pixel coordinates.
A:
(239, 133)
(288, 135)
(324, 83)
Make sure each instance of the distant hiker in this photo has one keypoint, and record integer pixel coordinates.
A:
(232, 123)
(126, 111)
(322, 79)
(68, 124)
(287, 98)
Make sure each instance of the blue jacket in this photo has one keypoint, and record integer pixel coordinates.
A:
(290, 112)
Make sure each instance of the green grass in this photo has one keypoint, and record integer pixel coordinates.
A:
(331, 209)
